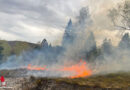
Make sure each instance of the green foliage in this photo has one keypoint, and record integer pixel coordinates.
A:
(8, 48)
(20, 47)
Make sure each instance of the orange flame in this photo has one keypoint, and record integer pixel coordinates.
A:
(30, 67)
(79, 70)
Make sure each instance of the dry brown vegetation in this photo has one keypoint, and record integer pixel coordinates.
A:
(110, 81)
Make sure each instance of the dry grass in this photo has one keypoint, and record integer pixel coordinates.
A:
(120, 80)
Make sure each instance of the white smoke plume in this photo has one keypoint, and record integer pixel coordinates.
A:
(84, 41)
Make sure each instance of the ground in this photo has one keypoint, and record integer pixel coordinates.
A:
(120, 81)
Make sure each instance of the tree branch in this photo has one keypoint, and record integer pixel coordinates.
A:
(123, 28)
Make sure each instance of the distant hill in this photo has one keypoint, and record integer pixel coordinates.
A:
(15, 47)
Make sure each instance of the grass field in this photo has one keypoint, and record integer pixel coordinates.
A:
(117, 80)
(120, 80)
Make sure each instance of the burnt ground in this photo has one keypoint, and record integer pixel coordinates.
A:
(18, 80)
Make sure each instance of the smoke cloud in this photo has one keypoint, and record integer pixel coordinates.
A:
(83, 32)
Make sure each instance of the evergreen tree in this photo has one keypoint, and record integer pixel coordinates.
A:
(91, 47)
(1, 55)
(107, 46)
(91, 41)
(125, 41)
(68, 37)
(44, 43)
(84, 18)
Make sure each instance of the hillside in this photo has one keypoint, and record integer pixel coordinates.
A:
(15, 47)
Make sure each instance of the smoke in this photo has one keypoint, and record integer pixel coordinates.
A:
(82, 38)
(102, 25)
(55, 57)
(117, 61)
(108, 58)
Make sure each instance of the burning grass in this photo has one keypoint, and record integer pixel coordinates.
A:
(117, 80)
(78, 70)
(36, 68)
(114, 80)
(111, 81)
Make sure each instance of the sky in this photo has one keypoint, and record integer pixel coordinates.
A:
(34, 20)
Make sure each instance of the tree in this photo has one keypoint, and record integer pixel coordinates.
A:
(91, 41)
(1, 55)
(44, 43)
(121, 16)
(84, 19)
(90, 47)
(125, 41)
(107, 46)
(68, 37)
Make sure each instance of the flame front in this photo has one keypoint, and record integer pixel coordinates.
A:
(36, 68)
(78, 70)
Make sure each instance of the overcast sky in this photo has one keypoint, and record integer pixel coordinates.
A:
(33, 20)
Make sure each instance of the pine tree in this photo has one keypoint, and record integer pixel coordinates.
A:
(1, 55)
(107, 46)
(44, 43)
(68, 37)
(91, 41)
(125, 41)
